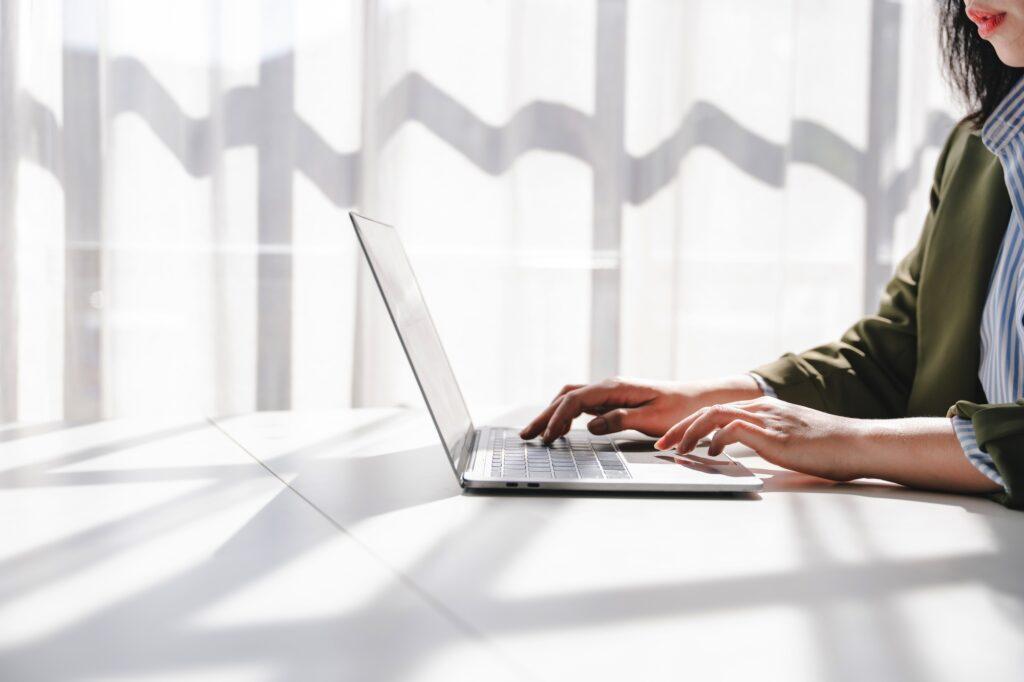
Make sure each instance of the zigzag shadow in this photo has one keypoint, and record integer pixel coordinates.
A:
(538, 125)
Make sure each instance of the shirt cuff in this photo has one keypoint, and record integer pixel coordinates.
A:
(763, 385)
(981, 460)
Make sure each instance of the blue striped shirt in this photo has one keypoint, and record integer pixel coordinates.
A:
(1002, 322)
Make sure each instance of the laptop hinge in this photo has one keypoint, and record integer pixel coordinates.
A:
(469, 457)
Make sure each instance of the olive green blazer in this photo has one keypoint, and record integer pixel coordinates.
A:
(919, 354)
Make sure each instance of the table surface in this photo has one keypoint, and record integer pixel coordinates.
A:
(337, 545)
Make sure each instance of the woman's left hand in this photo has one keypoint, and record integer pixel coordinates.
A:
(782, 433)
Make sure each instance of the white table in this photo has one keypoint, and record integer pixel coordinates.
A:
(337, 545)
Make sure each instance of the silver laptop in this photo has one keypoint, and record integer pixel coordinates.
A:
(495, 456)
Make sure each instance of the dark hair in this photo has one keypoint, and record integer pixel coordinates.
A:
(971, 63)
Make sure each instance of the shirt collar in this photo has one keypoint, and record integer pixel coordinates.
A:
(1006, 121)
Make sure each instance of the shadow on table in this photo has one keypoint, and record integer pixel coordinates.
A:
(784, 481)
(12, 432)
(856, 611)
(349, 490)
(166, 626)
(609, 495)
(348, 486)
(170, 625)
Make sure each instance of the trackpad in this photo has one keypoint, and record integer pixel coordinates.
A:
(639, 451)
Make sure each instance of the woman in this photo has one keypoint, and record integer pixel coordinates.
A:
(927, 392)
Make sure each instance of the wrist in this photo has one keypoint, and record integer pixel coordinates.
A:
(865, 443)
(729, 389)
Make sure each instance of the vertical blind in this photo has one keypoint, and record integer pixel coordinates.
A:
(666, 188)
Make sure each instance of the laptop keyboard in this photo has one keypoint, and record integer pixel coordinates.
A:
(578, 455)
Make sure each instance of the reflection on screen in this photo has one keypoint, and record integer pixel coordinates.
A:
(408, 310)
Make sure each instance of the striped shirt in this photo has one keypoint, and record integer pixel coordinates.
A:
(1002, 323)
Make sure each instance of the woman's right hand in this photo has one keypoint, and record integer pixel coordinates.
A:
(651, 407)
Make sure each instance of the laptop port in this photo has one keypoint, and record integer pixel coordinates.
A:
(511, 485)
(533, 485)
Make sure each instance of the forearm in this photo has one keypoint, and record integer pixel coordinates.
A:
(920, 452)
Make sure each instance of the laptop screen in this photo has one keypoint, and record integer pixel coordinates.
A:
(419, 338)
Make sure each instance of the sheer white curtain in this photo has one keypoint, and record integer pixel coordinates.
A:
(673, 188)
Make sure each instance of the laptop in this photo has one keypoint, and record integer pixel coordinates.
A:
(495, 456)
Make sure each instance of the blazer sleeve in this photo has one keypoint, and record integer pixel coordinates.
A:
(868, 372)
(999, 430)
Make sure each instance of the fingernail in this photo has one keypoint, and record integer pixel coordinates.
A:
(659, 445)
(599, 426)
(546, 435)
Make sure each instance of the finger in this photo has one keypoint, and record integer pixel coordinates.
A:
(711, 418)
(573, 405)
(540, 421)
(620, 419)
(673, 435)
(716, 417)
(740, 431)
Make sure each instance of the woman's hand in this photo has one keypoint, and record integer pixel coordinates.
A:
(782, 433)
(922, 452)
(648, 406)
